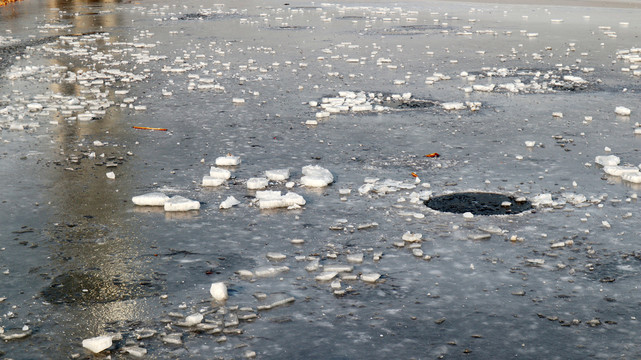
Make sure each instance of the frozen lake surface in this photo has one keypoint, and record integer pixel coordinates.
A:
(353, 115)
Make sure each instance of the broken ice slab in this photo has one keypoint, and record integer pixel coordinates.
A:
(150, 199)
(632, 177)
(277, 174)
(191, 320)
(216, 172)
(607, 160)
(212, 181)
(98, 343)
(173, 338)
(228, 160)
(257, 183)
(355, 258)
(179, 203)
(229, 202)
(269, 271)
(274, 256)
(274, 199)
(412, 237)
(370, 277)
(338, 268)
(453, 106)
(135, 351)
(326, 276)
(620, 170)
(276, 303)
(316, 176)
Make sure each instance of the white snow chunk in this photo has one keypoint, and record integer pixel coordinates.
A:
(218, 291)
(179, 203)
(370, 277)
(257, 183)
(607, 160)
(150, 199)
(111, 175)
(97, 344)
(365, 188)
(212, 181)
(228, 160)
(316, 176)
(622, 110)
(219, 173)
(229, 202)
(277, 174)
(530, 143)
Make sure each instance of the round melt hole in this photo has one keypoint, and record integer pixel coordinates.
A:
(479, 203)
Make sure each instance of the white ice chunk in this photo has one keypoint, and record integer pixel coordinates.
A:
(574, 79)
(316, 176)
(229, 202)
(179, 203)
(370, 277)
(412, 237)
(98, 343)
(269, 271)
(530, 143)
(632, 177)
(33, 107)
(150, 199)
(607, 160)
(228, 160)
(212, 181)
(273, 199)
(193, 319)
(574, 199)
(620, 170)
(453, 106)
(257, 183)
(277, 175)
(622, 110)
(111, 175)
(326, 275)
(483, 88)
(218, 291)
(219, 173)
(542, 200)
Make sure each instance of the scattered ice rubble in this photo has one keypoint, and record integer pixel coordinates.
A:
(313, 176)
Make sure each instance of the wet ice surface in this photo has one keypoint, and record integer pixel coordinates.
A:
(337, 277)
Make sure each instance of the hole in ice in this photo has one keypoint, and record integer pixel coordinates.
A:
(478, 203)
